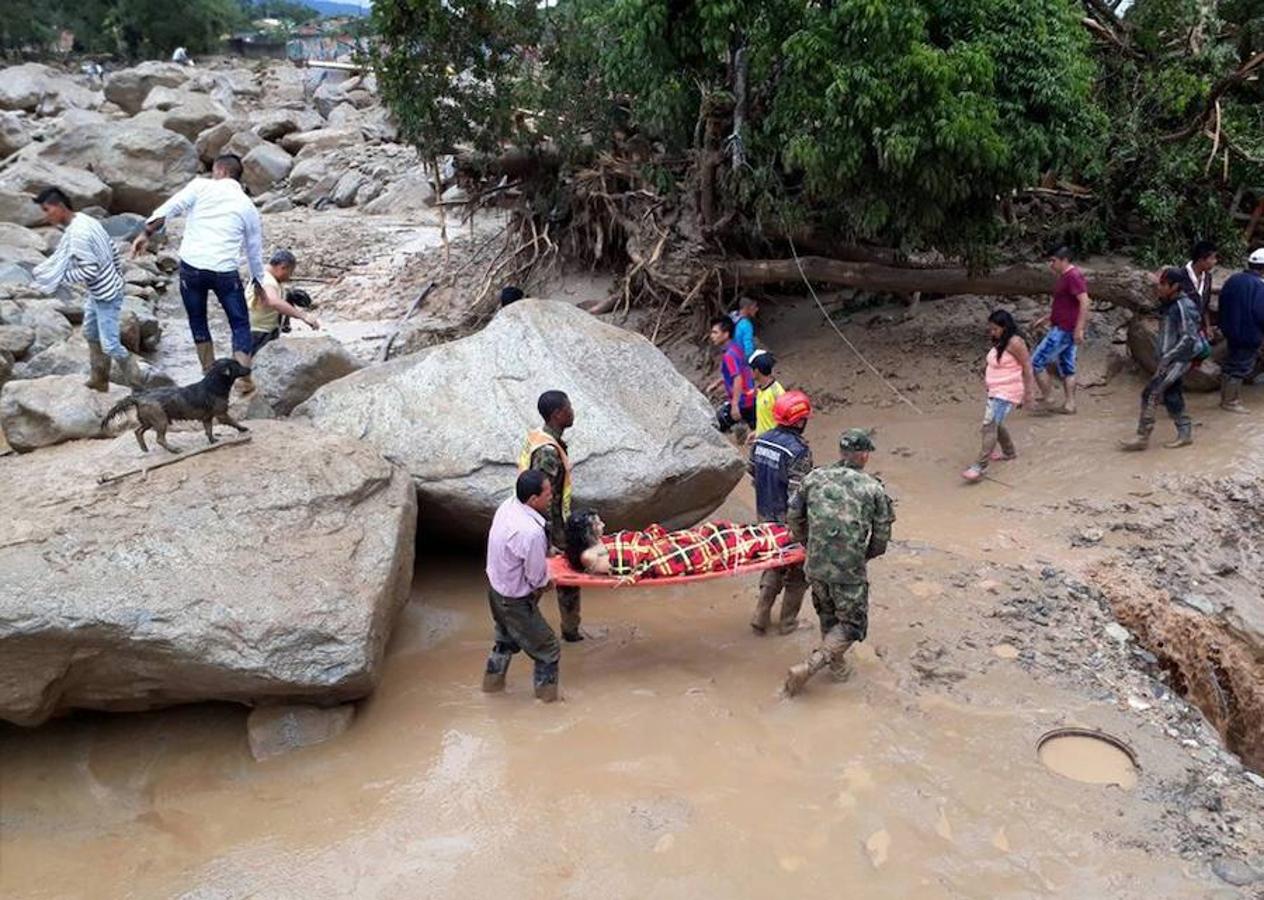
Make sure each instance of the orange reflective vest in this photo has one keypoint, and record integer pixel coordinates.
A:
(540, 438)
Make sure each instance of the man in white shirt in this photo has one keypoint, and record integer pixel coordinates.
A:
(222, 220)
(1204, 257)
(87, 255)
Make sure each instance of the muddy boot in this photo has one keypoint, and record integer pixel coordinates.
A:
(798, 676)
(762, 616)
(546, 682)
(205, 355)
(497, 669)
(1140, 442)
(840, 665)
(129, 368)
(1184, 437)
(791, 603)
(1230, 396)
(99, 368)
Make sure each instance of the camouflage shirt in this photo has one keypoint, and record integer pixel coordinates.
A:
(843, 516)
(548, 461)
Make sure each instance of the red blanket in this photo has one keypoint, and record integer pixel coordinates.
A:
(711, 547)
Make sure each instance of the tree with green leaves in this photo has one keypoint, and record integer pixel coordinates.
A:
(446, 69)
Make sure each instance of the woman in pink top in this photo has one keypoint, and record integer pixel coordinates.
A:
(1010, 382)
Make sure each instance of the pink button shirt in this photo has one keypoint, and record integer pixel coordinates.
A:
(517, 550)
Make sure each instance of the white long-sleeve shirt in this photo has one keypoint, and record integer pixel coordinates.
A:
(222, 220)
(85, 255)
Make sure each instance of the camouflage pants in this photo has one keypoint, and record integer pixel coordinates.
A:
(843, 609)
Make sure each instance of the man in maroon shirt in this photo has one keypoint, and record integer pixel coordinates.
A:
(1067, 320)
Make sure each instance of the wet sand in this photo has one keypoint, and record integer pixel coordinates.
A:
(672, 769)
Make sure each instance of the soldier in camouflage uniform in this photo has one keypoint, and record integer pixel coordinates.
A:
(546, 450)
(844, 517)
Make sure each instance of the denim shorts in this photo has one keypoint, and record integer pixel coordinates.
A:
(996, 410)
(1059, 345)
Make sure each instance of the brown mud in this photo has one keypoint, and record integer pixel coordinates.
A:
(672, 769)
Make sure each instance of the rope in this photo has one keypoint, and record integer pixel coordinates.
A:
(895, 390)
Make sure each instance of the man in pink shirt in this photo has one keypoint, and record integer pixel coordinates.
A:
(517, 574)
(1067, 320)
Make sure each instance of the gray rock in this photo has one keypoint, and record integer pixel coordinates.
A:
(211, 142)
(311, 179)
(644, 448)
(40, 412)
(277, 205)
(211, 579)
(123, 226)
(12, 273)
(327, 96)
(20, 209)
(13, 134)
(185, 112)
(264, 166)
(274, 124)
(288, 371)
(322, 140)
(128, 88)
(412, 193)
(243, 142)
(12, 235)
(6, 366)
(344, 115)
(21, 256)
(369, 190)
(70, 357)
(277, 730)
(348, 186)
(142, 165)
(139, 328)
(31, 174)
(43, 316)
(34, 87)
(16, 340)
(1235, 872)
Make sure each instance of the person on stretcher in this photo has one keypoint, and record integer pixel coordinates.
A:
(656, 552)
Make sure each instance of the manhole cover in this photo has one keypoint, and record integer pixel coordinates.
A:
(1092, 757)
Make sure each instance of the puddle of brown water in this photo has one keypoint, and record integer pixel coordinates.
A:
(1088, 759)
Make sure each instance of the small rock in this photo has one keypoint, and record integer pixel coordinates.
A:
(1091, 535)
(1234, 872)
(276, 730)
(1198, 602)
(1256, 780)
(1117, 632)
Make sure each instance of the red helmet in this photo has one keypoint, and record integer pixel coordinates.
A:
(792, 408)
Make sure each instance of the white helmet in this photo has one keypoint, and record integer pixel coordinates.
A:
(1256, 258)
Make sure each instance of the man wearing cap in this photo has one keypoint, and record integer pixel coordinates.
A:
(1242, 324)
(779, 461)
(844, 517)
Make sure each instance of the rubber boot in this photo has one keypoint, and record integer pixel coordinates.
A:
(546, 682)
(497, 669)
(798, 676)
(1230, 396)
(1184, 437)
(791, 603)
(205, 355)
(129, 368)
(762, 616)
(1140, 442)
(840, 665)
(99, 368)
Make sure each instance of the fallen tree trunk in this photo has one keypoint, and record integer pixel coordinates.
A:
(1126, 287)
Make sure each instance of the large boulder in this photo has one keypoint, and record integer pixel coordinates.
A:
(22, 256)
(1143, 334)
(40, 412)
(274, 124)
(644, 446)
(211, 142)
(264, 166)
(13, 134)
(143, 165)
(20, 209)
(290, 370)
(323, 140)
(412, 193)
(31, 175)
(40, 315)
(16, 236)
(33, 87)
(70, 357)
(16, 340)
(223, 577)
(128, 88)
(184, 112)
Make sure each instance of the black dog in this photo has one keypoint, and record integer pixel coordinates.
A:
(205, 402)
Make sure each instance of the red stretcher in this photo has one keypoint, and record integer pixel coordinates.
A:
(562, 573)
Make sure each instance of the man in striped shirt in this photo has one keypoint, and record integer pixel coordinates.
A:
(86, 255)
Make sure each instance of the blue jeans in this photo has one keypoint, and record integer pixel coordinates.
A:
(101, 325)
(195, 284)
(1059, 345)
(996, 411)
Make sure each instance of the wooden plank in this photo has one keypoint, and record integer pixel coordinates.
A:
(173, 458)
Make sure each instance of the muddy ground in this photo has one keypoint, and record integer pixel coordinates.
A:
(673, 769)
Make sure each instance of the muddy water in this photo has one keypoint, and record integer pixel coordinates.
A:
(671, 769)
(1089, 759)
